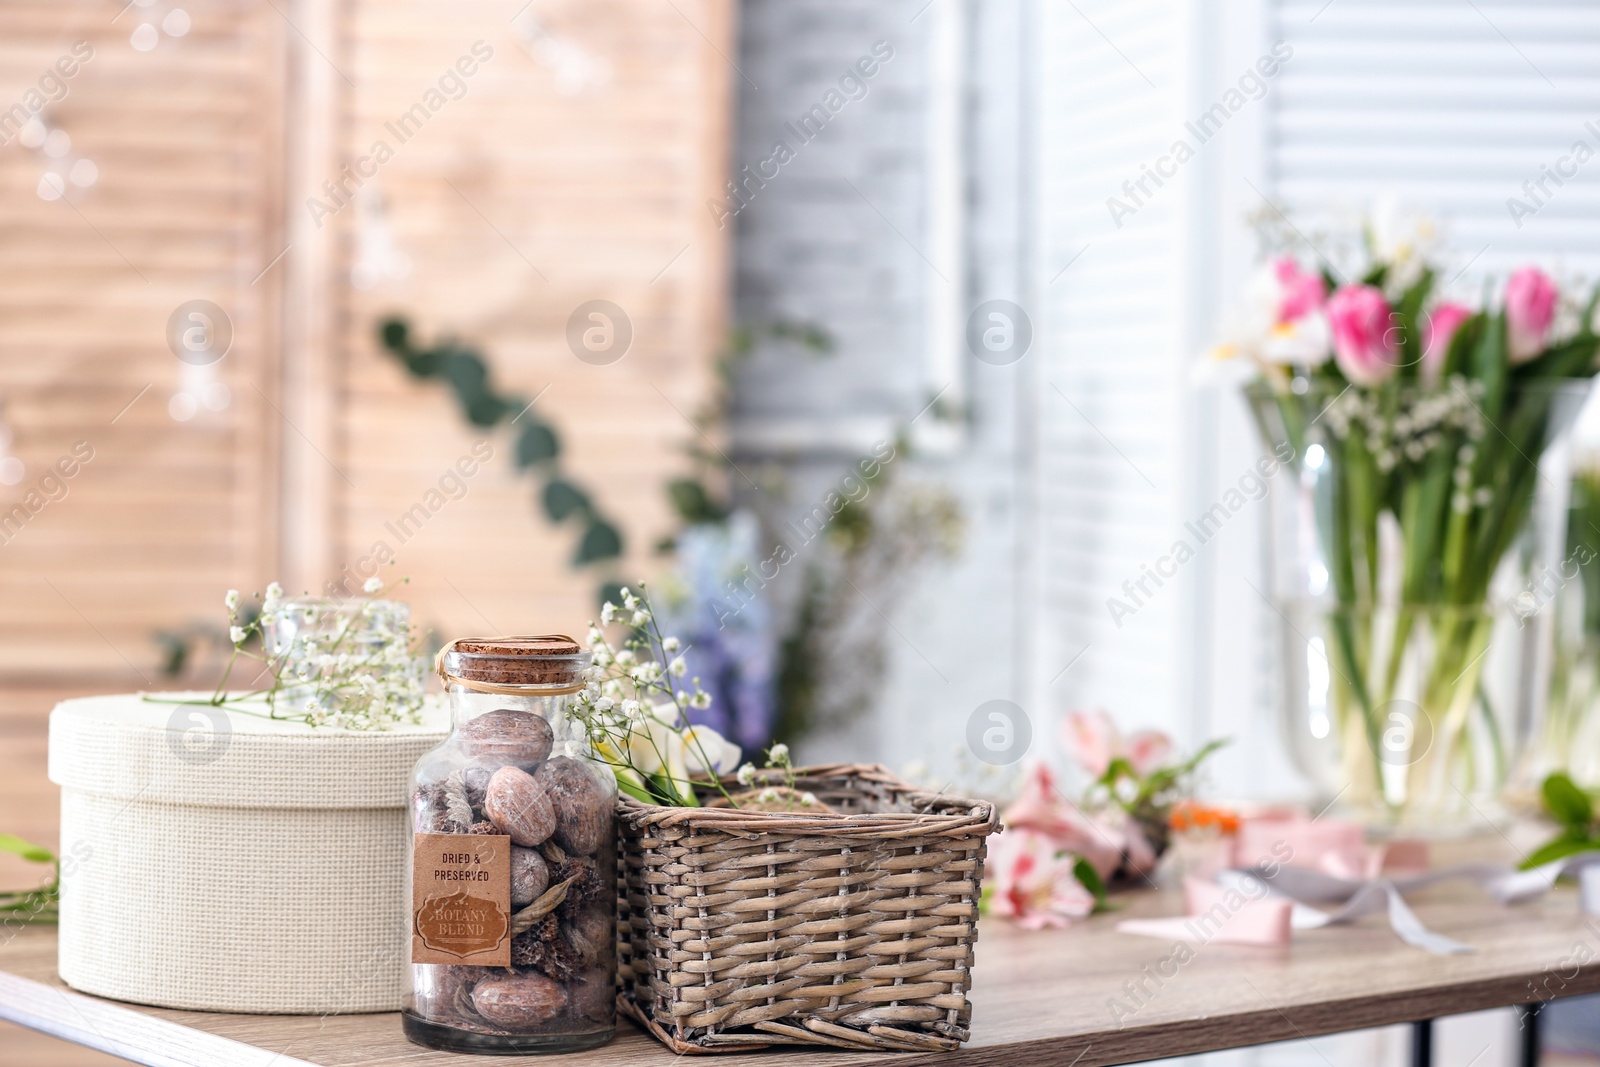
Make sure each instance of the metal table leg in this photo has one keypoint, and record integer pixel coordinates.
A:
(1528, 1021)
(1422, 1043)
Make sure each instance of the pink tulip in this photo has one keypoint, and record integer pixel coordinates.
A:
(1530, 308)
(1441, 328)
(1363, 344)
(1301, 291)
(1034, 882)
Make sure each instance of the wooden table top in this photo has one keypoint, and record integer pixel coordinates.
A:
(1039, 998)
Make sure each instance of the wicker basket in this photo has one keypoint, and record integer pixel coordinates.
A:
(853, 930)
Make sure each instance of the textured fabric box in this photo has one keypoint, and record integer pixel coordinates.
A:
(226, 862)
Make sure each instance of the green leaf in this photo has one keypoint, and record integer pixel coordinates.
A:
(395, 334)
(1566, 803)
(26, 849)
(600, 541)
(1089, 878)
(1557, 849)
(536, 444)
(693, 502)
(562, 499)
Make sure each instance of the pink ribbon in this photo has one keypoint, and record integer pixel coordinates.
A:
(1280, 865)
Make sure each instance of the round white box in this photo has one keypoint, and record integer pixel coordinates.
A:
(220, 861)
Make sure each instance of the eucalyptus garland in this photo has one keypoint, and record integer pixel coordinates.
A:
(538, 450)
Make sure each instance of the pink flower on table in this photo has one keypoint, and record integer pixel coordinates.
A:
(1033, 880)
(1363, 337)
(1437, 334)
(1040, 808)
(1123, 834)
(1530, 308)
(1093, 740)
(1148, 750)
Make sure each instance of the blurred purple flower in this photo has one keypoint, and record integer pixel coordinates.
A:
(715, 605)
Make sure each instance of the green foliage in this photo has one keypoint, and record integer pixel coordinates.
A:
(1566, 803)
(562, 499)
(1090, 879)
(538, 448)
(537, 444)
(694, 503)
(1149, 798)
(1573, 809)
(600, 541)
(1583, 542)
(31, 905)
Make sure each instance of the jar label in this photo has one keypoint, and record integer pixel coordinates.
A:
(461, 899)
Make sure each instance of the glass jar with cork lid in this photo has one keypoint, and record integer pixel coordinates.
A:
(513, 874)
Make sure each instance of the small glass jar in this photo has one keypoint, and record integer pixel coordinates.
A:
(513, 873)
(321, 642)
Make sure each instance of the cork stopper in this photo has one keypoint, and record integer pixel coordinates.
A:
(545, 660)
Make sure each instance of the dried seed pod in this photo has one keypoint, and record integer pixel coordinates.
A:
(504, 737)
(546, 949)
(518, 1001)
(476, 778)
(516, 803)
(432, 812)
(530, 876)
(587, 883)
(583, 808)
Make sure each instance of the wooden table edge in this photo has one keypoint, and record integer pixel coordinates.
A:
(139, 1037)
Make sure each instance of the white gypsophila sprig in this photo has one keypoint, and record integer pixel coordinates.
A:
(636, 719)
(357, 671)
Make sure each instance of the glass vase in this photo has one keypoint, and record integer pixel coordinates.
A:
(345, 662)
(1567, 736)
(1404, 533)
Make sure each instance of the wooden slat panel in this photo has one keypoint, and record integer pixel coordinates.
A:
(167, 514)
(599, 192)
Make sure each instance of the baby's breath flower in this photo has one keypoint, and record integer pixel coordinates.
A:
(608, 613)
(372, 585)
(747, 774)
(678, 667)
(778, 754)
(670, 645)
(236, 634)
(231, 601)
(808, 799)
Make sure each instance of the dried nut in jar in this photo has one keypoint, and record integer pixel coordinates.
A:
(583, 811)
(592, 933)
(507, 736)
(519, 1002)
(517, 805)
(530, 876)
